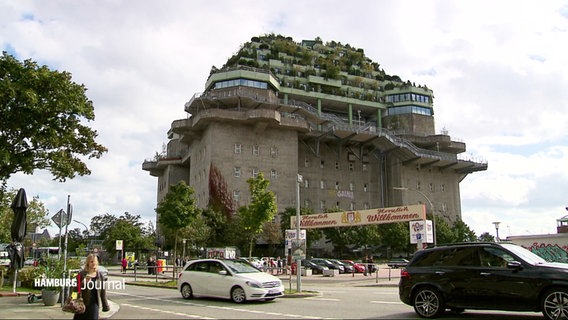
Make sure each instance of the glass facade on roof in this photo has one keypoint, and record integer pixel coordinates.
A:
(241, 82)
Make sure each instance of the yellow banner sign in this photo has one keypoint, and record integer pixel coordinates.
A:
(361, 217)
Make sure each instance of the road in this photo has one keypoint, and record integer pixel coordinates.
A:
(335, 302)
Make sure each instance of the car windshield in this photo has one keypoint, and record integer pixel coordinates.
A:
(239, 266)
(524, 253)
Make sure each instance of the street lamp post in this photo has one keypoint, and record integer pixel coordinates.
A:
(299, 259)
(86, 230)
(429, 202)
(497, 223)
(183, 254)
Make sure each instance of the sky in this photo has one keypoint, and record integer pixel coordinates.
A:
(498, 69)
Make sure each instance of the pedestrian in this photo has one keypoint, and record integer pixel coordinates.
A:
(149, 264)
(91, 286)
(178, 261)
(279, 263)
(124, 265)
(364, 261)
(370, 265)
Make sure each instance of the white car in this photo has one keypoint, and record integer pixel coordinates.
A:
(230, 279)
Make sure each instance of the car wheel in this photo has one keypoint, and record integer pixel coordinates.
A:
(428, 303)
(555, 304)
(186, 291)
(238, 295)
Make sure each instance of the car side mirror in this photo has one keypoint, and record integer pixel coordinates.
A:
(514, 265)
(223, 272)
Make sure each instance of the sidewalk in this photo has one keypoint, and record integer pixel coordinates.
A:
(16, 306)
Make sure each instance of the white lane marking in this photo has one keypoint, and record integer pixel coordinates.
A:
(167, 312)
(212, 307)
(387, 302)
(322, 299)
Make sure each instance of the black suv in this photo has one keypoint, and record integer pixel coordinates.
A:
(491, 276)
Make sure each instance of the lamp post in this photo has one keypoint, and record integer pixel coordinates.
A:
(183, 254)
(86, 230)
(429, 202)
(299, 259)
(497, 223)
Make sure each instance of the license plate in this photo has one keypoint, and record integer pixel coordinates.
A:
(273, 291)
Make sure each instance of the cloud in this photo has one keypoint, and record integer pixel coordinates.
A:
(498, 71)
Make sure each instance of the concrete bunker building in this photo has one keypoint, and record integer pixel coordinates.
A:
(324, 111)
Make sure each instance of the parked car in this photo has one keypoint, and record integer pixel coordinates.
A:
(397, 263)
(359, 267)
(254, 261)
(327, 263)
(4, 258)
(316, 268)
(346, 267)
(231, 279)
(486, 276)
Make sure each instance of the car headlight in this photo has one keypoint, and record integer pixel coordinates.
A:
(253, 284)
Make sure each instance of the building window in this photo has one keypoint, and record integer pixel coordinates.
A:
(236, 195)
(273, 174)
(255, 150)
(350, 166)
(321, 164)
(337, 205)
(237, 172)
(365, 187)
(337, 165)
(306, 162)
(418, 185)
(351, 186)
(322, 205)
(307, 203)
(254, 172)
(364, 167)
(336, 185)
(431, 187)
(322, 184)
(443, 187)
(306, 183)
(366, 205)
(352, 206)
(273, 152)
(237, 148)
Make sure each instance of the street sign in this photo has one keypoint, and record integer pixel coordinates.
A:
(60, 218)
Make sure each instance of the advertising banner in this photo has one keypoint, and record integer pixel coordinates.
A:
(361, 217)
(421, 231)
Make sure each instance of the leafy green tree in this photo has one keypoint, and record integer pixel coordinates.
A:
(261, 209)
(131, 230)
(486, 237)
(101, 223)
(463, 232)
(41, 115)
(37, 214)
(177, 210)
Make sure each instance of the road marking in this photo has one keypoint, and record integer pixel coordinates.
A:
(387, 302)
(212, 307)
(167, 312)
(322, 299)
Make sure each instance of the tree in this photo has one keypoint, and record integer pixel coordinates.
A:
(177, 210)
(37, 214)
(261, 209)
(41, 116)
(486, 237)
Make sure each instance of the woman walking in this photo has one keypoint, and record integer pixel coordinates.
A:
(91, 287)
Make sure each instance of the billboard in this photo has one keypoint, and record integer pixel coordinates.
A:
(361, 217)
